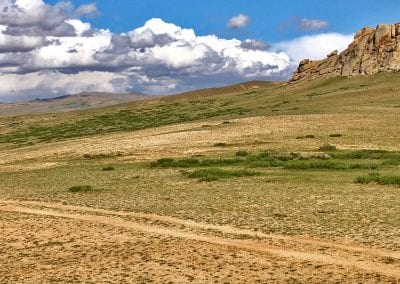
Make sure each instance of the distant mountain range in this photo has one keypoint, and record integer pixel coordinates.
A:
(79, 101)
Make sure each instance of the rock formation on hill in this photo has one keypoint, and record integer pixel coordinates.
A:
(372, 50)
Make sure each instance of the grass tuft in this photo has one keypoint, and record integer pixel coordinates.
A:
(379, 179)
(335, 135)
(392, 158)
(81, 188)
(214, 174)
(308, 136)
(221, 144)
(327, 147)
(242, 153)
(109, 168)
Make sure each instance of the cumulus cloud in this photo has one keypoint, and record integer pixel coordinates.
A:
(35, 18)
(314, 46)
(312, 24)
(48, 50)
(255, 44)
(47, 84)
(89, 10)
(238, 21)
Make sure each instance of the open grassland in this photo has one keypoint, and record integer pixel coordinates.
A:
(376, 93)
(260, 182)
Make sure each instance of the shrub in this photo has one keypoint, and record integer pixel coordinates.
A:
(305, 165)
(242, 153)
(335, 135)
(81, 188)
(215, 174)
(164, 162)
(326, 165)
(308, 136)
(379, 179)
(327, 147)
(367, 154)
(109, 168)
(220, 144)
(392, 162)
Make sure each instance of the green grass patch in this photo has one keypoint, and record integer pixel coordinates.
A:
(327, 165)
(391, 157)
(108, 169)
(327, 147)
(242, 153)
(392, 162)
(82, 188)
(214, 174)
(379, 179)
(273, 159)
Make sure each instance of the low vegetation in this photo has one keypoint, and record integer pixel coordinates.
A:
(379, 179)
(82, 188)
(335, 135)
(327, 147)
(108, 169)
(291, 161)
(224, 104)
(214, 174)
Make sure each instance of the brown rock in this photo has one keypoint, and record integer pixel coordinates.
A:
(333, 53)
(372, 51)
(383, 33)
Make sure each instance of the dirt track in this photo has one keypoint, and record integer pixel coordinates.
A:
(114, 229)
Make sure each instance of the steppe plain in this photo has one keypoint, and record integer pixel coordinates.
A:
(258, 182)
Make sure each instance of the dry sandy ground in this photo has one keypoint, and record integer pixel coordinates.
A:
(44, 242)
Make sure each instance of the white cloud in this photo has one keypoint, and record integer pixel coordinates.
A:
(312, 24)
(314, 46)
(238, 21)
(157, 57)
(52, 83)
(79, 26)
(47, 51)
(89, 10)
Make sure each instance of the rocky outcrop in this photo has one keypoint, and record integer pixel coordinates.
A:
(372, 51)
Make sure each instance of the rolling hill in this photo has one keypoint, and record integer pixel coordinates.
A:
(69, 102)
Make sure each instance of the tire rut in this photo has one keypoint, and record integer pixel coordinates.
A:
(111, 218)
(205, 226)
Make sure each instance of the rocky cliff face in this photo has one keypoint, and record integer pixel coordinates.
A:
(372, 50)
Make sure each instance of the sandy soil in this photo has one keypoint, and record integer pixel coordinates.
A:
(46, 242)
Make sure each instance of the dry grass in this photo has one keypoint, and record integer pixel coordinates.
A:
(314, 203)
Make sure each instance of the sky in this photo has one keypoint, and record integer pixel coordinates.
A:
(52, 48)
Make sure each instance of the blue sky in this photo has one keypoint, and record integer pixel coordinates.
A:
(50, 48)
(267, 16)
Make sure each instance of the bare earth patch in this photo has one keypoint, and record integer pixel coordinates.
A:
(69, 243)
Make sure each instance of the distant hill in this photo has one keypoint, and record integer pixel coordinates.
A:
(245, 86)
(79, 101)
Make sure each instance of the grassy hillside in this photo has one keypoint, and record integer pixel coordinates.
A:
(336, 95)
(69, 103)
